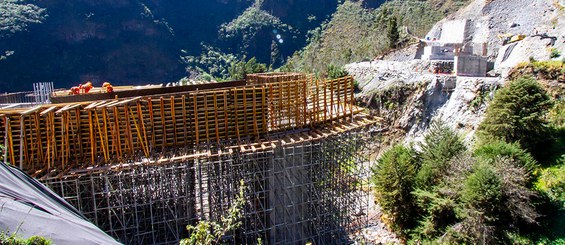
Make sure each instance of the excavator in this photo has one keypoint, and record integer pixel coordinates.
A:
(508, 38)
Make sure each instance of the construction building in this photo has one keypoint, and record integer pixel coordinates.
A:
(451, 48)
(143, 164)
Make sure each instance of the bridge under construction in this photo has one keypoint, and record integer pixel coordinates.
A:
(143, 164)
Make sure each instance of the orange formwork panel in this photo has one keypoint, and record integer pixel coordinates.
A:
(60, 136)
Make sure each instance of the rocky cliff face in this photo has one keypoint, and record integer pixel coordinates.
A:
(140, 41)
(409, 97)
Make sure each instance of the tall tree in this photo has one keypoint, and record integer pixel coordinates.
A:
(392, 32)
(517, 114)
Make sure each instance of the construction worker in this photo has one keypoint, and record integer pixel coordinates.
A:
(87, 87)
(74, 90)
(108, 86)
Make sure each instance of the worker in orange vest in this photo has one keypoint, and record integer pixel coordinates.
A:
(87, 87)
(108, 86)
(74, 90)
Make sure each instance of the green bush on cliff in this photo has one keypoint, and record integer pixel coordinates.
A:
(517, 114)
(394, 178)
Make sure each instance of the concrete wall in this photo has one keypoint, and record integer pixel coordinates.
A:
(454, 31)
(443, 52)
(479, 49)
(471, 66)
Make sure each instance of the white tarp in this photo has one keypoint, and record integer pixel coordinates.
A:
(29, 208)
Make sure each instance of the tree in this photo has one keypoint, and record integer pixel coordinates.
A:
(238, 70)
(516, 114)
(500, 149)
(495, 200)
(394, 177)
(392, 32)
(440, 145)
(16, 16)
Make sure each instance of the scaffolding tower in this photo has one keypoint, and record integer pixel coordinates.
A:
(296, 192)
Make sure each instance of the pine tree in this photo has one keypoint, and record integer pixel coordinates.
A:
(440, 145)
(392, 32)
(517, 114)
(393, 178)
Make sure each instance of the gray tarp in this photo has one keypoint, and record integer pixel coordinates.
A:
(29, 208)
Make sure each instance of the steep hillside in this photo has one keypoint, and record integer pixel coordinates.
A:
(359, 30)
(410, 97)
(139, 41)
(460, 101)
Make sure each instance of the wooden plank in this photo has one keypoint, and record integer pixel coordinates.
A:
(226, 122)
(50, 109)
(32, 110)
(196, 129)
(173, 115)
(163, 127)
(184, 120)
(206, 118)
(216, 118)
(236, 116)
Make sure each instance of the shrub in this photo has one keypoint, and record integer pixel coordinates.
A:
(548, 69)
(516, 114)
(37, 240)
(394, 177)
(554, 53)
(499, 149)
(238, 70)
(482, 191)
(334, 72)
(440, 145)
(438, 212)
(14, 239)
(557, 115)
(212, 232)
(495, 200)
(552, 182)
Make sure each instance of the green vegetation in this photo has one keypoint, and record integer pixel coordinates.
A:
(517, 115)
(494, 193)
(555, 53)
(392, 32)
(439, 147)
(394, 179)
(215, 65)
(333, 72)
(238, 70)
(15, 240)
(546, 70)
(16, 16)
(355, 32)
(501, 149)
(211, 61)
(459, 198)
(212, 232)
(250, 22)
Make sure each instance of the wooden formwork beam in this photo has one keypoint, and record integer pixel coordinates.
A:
(56, 137)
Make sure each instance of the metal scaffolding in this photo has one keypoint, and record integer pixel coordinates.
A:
(297, 191)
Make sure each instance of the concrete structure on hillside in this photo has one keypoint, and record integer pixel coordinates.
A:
(470, 66)
(454, 45)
